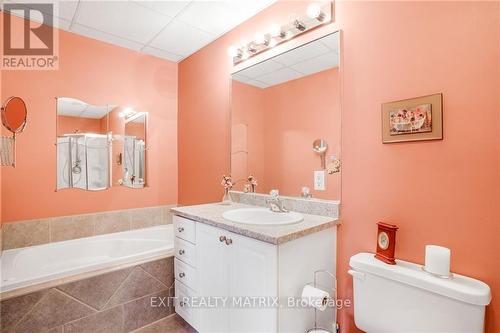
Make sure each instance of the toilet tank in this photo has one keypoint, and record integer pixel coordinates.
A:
(403, 298)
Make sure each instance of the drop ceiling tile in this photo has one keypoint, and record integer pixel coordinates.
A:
(258, 84)
(180, 38)
(279, 76)
(302, 53)
(331, 41)
(124, 19)
(239, 77)
(214, 17)
(105, 37)
(318, 64)
(169, 8)
(162, 54)
(62, 9)
(261, 69)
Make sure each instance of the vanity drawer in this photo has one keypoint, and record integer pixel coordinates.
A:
(185, 274)
(185, 251)
(185, 228)
(185, 294)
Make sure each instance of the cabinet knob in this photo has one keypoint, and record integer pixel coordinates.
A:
(222, 239)
(181, 252)
(229, 241)
(181, 229)
(181, 275)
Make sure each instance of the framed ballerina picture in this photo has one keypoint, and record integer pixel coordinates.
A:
(414, 119)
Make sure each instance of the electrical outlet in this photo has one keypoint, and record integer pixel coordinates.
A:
(319, 180)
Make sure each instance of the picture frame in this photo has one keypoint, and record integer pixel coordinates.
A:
(413, 119)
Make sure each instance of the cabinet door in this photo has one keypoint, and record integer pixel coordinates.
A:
(212, 277)
(253, 273)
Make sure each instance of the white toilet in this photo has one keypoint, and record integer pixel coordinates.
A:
(403, 298)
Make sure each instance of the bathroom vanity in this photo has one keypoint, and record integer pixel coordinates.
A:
(229, 276)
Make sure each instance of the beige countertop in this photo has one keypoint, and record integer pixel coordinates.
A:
(211, 214)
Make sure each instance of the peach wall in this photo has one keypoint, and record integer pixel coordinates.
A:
(97, 73)
(297, 113)
(442, 192)
(68, 125)
(248, 109)
(283, 121)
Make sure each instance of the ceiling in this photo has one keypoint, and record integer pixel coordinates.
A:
(314, 57)
(172, 30)
(72, 107)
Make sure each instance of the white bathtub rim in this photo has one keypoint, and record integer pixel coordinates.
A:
(12, 293)
(21, 287)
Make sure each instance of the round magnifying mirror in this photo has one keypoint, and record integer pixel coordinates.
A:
(320, 146)
(14, 114)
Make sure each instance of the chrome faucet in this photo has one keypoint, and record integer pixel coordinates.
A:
(275, 203)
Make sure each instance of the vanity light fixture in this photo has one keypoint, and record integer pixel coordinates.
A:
(127, 113)
(317, 14)
(275, 31)
(299, 25)
(233, 51)
(314, 12)
(261, 39)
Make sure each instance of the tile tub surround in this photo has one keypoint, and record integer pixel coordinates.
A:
(118, 301)
(329, 208)
(42, 231)
(211, 214)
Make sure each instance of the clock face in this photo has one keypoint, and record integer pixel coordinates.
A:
(383, 240)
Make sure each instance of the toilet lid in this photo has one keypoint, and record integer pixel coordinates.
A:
(461, 287)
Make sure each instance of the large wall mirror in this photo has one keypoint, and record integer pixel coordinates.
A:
(83, 145)
(285, 122)
(100, 146)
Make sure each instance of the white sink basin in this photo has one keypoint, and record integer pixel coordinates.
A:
(261, 216)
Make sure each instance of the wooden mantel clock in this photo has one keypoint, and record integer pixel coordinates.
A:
(386, 243)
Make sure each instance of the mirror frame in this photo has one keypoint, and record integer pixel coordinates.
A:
(4, 120)
(290, 45)
(146, 164)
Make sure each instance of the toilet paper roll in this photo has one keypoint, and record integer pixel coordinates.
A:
(437, 260)
(315, 297)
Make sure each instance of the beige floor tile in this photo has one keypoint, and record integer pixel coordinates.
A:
(108, 321)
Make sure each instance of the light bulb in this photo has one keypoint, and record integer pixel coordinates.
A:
(232, 51)
(313, 10)
(259, 38)
(275, 30)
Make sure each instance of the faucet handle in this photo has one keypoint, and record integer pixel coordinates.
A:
(274, 193)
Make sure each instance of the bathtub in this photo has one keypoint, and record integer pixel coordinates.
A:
(41, 264)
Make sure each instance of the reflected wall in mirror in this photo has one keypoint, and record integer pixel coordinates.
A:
(134, 151)
(83, 145)
(279, 107)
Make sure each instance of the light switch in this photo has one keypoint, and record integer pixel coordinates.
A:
(319, 180)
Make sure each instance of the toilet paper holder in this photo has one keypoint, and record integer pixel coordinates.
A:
(333, 295)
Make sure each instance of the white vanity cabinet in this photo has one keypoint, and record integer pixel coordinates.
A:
(220, 266)
(233, 267)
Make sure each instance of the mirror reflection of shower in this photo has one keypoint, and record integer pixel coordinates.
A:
(83, 145)
(83, 161)
(134, 151)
